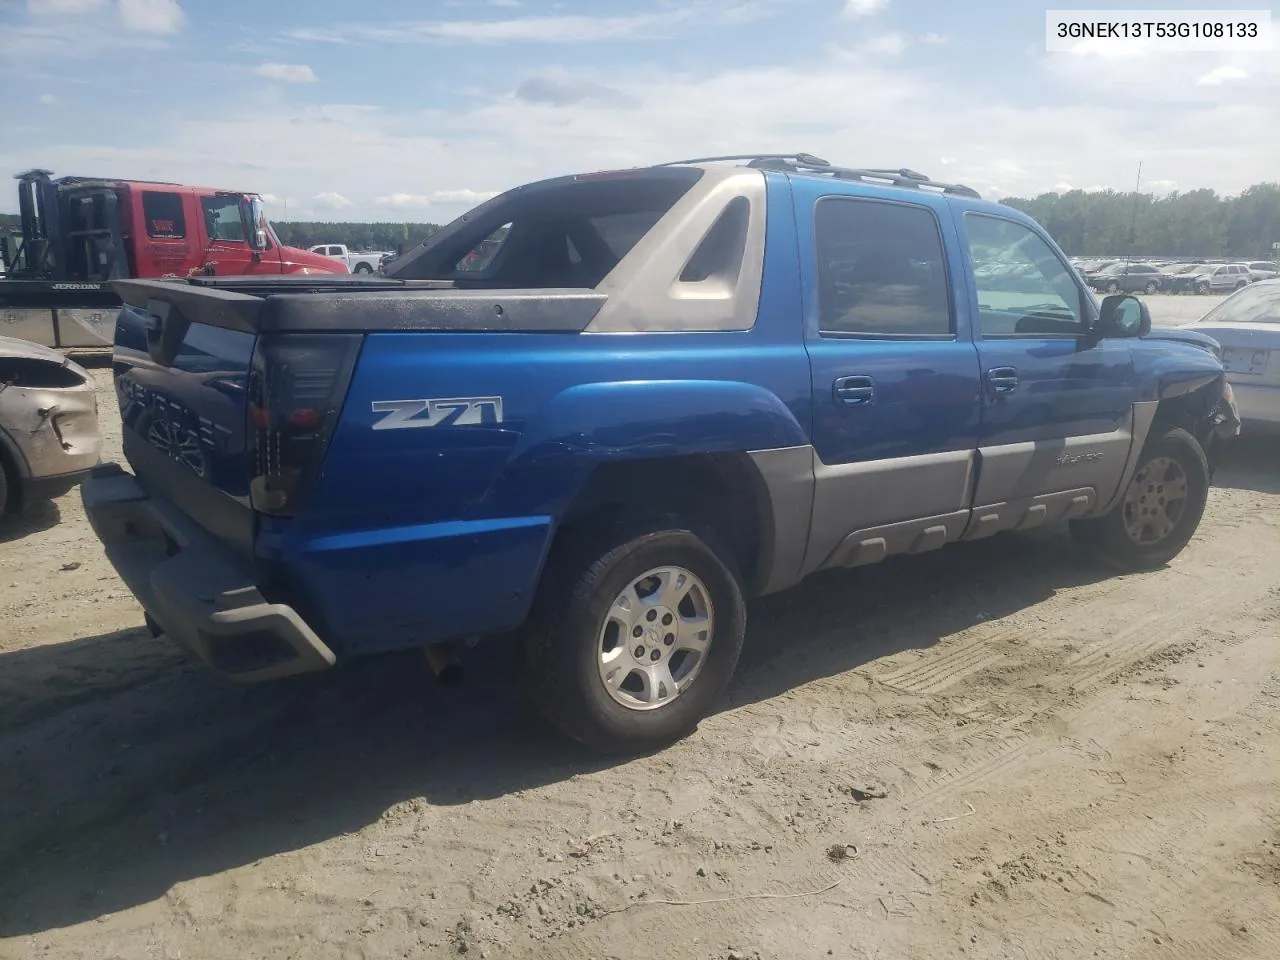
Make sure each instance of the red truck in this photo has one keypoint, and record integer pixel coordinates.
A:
(79, 233)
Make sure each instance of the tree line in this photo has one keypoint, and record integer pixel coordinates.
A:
(1197, 223)
(357, 236)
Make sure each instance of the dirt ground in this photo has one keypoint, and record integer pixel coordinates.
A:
(994, 751)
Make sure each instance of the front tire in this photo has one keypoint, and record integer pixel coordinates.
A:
(1113, 287)
(1151, 287)
(1160, 509)
(634, 637)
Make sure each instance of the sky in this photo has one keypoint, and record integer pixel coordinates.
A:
(401, 110)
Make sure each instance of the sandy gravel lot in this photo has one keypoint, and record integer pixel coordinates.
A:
(994, 751)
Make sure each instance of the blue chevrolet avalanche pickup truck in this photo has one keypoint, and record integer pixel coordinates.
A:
(606, 410)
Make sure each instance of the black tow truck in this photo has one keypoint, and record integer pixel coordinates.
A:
(56, 289)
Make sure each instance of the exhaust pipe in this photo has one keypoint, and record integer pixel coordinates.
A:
(444, 663)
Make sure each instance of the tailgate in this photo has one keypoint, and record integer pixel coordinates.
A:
(217, 419)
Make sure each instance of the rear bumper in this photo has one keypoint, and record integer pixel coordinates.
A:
(50, 488)
(195, 589)
(1258, 403)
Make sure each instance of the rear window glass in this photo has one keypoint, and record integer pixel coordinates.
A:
(562, 233)
(1257, 303)
(163, 213)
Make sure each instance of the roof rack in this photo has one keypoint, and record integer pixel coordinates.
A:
(808, 163)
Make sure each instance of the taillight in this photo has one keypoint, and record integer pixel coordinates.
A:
(296, 389)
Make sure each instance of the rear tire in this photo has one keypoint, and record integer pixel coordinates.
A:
(1160, 509)
(363, 268)
(6, 503)
(614, 689)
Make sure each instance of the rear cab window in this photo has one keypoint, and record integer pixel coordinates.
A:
(569, 232)
(163, 214)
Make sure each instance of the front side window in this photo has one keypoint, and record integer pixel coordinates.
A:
(881, 270)
(222, 218)
(1030, 291)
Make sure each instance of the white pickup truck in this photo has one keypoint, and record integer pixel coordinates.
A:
(356, 262)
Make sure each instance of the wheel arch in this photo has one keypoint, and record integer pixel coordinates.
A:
(724, 492)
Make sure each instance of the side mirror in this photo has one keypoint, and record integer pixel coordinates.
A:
(1123, 316)
(257, 225)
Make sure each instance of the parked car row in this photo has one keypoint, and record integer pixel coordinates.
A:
(1125, 276)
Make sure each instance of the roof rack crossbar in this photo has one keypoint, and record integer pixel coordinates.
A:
(808, 163)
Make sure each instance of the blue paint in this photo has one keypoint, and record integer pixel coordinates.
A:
(417, 535)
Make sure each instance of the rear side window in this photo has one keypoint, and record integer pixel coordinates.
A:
(881, 270)
(163, 213)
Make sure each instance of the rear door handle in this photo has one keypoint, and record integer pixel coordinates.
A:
(1002, 379)
(854, 391)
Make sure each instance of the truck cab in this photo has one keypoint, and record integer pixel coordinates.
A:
(87, 230)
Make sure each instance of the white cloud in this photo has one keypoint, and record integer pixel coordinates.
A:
(995, 140)
(1221, 75)
(152, 16)
(329, 200)
(463, 197)
(567, 28)
(890, 44)
(287, 72)
(853, 9)
(48, 99)
(932, 38)
(40, 8)
(470, 197)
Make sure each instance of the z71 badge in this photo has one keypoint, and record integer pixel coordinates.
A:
(445, 412)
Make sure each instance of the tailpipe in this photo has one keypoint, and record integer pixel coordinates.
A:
(444, 663)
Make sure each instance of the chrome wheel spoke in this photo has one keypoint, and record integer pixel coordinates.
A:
(1153, 503)
(693, 633)
(659, 685)
(673, 587)
(655, 638)
(627, 607)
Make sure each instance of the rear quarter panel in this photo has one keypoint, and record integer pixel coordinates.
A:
(430, 532)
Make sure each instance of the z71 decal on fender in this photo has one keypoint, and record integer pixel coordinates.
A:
(445, 412)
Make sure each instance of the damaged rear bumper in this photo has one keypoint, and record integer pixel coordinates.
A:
(195, 589)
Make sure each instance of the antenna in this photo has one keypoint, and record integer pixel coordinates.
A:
(1133, 221)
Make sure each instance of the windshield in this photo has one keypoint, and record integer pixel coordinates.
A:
(1258, 303)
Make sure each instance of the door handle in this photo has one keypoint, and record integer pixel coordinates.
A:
(854, 391)
(1002, 379)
